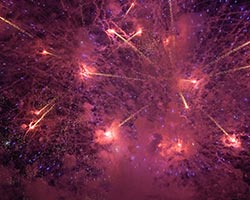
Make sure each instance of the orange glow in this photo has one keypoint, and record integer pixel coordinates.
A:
(172, 147)
(108, 136)
(166, 41)
(231, 141)
(86, 71)
(160, 145)
(105, 137)
(169, 40)
(179, 146)
(44, 52)
(23, 126)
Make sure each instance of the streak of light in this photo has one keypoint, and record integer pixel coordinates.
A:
(218, 125)
(139, 32)
(172, 19)
(132, 116)
(232, 70)
(228, 53)
(228, 140)
(114, 76)
(45, 52)
(171, 50)
(16, 27)
(184, 100)
(33, 124)
(130, 7)
(112, 31)
(38, 112)
(88, 73)
(189, 80)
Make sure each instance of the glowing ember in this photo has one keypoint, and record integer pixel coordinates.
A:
(231, 141)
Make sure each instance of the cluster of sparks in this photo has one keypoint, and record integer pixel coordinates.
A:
(184, 87)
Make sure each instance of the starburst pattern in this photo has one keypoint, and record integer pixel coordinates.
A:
(124, 99)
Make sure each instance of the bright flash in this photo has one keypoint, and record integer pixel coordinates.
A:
(178, 146)
(138, 33)
(166, 41)
(44, 52)
(111, 31)
(109, 134)
(231, 141)
(85, 71)
(193, 81)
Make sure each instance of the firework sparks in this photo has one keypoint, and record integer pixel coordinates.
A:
(104, 61)
(229, 52)
(179, 145)
(15, 26)
(138, 33)
(231, 141)
(130, 7)
(87, 73)
(112, 31)
(218, 125)
(132, 116)
(228, 140)
(172, 20)
(33, 124)
(45, 52)
(233, 70)
(184, 100)
(38, 112)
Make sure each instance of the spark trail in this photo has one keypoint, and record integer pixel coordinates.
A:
(228, 53)
(218, 125)
(132, 116)
(16, 27)
(33, 124)
(184, 100)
